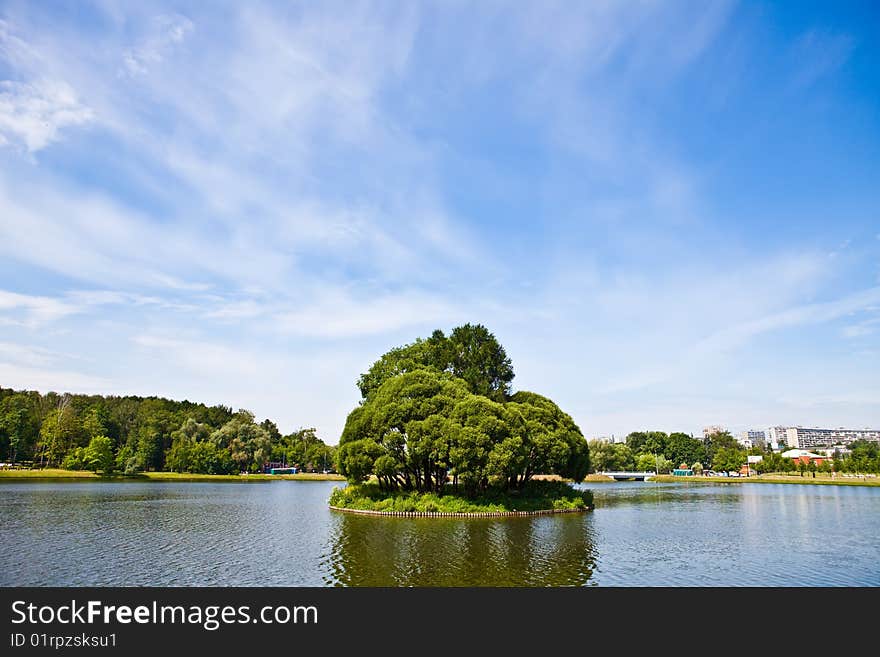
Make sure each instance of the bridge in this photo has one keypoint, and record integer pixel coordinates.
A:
(623, 476)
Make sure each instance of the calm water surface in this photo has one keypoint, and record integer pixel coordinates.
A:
(282, 534)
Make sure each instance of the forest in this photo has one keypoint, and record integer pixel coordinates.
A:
(130, 434)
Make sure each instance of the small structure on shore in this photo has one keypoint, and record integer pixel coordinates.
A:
(803, 456)
(683, 471)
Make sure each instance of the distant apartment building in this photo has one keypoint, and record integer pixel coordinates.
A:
(777, 437)
(708, 432)
(752, 438)
(810, 437)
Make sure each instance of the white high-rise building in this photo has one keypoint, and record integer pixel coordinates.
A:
(811, 437)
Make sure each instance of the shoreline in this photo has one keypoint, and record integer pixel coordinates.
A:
(453, 514)
(769, 479)
(58, 474)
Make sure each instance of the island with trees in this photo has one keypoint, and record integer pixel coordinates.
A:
(438, 430)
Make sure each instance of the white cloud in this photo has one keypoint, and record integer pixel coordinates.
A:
(27, 355)
(862, 329)
(737, 334)
(30, 310)
(34, 114)
(166, 32)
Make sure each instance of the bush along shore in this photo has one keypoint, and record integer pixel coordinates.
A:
(535, 497)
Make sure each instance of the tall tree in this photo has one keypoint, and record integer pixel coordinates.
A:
(470, 353)
(479, 359)
(18, 425)
(99, 454)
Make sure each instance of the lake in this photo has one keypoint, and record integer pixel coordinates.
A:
(282, 534)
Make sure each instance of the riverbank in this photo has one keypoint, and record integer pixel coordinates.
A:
(59, 474)
(772, 479)
(535, 497)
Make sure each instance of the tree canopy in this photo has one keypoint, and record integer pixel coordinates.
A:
(470, 353)
(131, 434)
(441, 408)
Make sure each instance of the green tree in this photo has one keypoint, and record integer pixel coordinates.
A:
(718, 441)
(728, 459)
(181, 454)
(356, 460)
(96, 421)
(646, 462)
(99, 455)
(651, 442)
(479, 359)
(664, 465)
(76, 459)
(636, 441)
(61, 431)
(248, 443)
(18, 425)
(601, 455)
(208, 458)
(470, 353)
(681, 448)
(623, 458)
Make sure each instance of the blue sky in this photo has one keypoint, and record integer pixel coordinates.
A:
(668, 213)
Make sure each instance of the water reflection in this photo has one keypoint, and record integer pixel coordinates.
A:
(282, 534)
(538, 551)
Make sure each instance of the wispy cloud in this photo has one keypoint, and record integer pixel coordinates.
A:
(29, 310)
(34, 114)
(166, 31)
(737, 334)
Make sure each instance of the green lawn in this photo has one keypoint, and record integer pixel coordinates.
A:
(47, 473)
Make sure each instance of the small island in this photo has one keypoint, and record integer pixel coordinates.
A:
(438, 431)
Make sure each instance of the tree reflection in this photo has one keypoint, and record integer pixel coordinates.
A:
(533, 551)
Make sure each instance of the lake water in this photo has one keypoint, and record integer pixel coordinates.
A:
(282, 534)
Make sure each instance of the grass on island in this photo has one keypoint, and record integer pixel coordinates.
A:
(775, 478)
(57, 473)
(535, 496)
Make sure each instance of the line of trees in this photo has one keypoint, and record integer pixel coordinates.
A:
(131, 434)
(864, 457)
(657, 450)
(661, 452)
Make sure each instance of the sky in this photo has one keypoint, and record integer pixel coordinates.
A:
(667, 212)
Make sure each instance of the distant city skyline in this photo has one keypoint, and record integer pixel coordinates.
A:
(666, 213)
